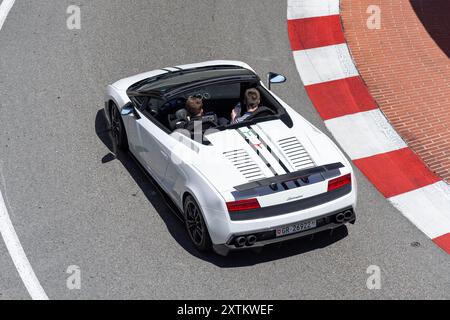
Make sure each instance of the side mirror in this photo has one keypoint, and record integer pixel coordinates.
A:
(128, 110)
(275, 78)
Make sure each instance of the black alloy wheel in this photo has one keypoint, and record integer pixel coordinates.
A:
(118, 133)
(195, 225)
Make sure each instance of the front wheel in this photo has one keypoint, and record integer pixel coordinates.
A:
(195, 225)
(119, 136)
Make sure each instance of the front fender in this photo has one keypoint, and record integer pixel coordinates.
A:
(114, 95)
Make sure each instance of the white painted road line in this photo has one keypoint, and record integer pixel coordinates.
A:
(7, 231)
(325, 64)
(18, 256)
(365, 134)
(428, 208)
(5, 7)
(299, 9)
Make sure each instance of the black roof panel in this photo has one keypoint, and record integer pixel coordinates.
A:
(167, 82)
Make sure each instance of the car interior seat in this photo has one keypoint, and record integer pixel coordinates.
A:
(178, 119)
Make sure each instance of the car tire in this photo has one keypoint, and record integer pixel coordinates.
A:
(195, 225)
(118, 134)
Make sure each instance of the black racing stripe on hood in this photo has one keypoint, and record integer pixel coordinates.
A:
(266, 162)
(266, 145)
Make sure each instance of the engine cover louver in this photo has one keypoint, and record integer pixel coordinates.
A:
(245, 164)
(296, 153)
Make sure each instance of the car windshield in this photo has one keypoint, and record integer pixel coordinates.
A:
(218, 101)
(171, 81)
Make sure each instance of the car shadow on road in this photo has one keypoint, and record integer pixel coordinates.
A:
(173, 218)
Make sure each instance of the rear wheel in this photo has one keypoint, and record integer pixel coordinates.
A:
(195, 225)
(118, 134)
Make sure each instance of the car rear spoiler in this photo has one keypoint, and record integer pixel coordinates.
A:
(327, 171)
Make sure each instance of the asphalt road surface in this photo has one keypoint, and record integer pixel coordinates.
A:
(72, 204)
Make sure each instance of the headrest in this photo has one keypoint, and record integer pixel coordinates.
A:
(181, 114)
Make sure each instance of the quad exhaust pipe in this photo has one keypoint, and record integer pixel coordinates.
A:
(340, 217)
(240, 241)
(251, 240)
(344, 216)
(246, 241)
(348, 215)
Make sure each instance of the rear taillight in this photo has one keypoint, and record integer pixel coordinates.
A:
(339, 182)
(242, 205)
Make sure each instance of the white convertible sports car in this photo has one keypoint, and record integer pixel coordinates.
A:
(270, 178)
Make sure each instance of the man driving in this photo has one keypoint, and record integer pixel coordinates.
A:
(194, 107)
(252, 100)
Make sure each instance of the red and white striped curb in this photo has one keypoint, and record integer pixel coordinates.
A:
(353, 117)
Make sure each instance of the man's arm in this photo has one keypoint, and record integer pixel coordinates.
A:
(235, 113)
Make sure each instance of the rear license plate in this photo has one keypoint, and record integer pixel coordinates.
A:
(295, 228)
